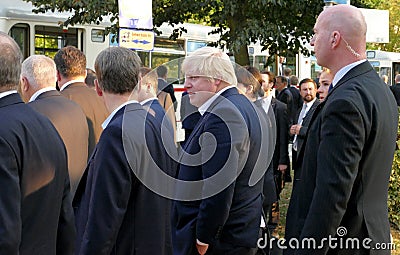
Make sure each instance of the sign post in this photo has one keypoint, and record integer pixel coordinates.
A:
(134, 17)
(136, 39)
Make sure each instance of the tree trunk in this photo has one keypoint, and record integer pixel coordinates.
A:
(242, 56)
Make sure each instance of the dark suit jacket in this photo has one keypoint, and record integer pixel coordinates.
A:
(396, 92)
(164, 86)
(269, 186)
(281, 154)
(92, 106)
(115, 213)
(36, 213)
(347, 163)
(286, 97)
(70, 122)
(189, 115)
(300, 137)
(233, 214)
(297, 99)
(159, 113)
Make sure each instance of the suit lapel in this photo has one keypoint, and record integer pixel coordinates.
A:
(203, 118)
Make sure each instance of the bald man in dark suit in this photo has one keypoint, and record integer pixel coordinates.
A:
(349, 148)
(38, 87)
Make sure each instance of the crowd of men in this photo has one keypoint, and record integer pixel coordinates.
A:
(96, 169)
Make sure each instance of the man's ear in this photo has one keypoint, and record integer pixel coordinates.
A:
(249, 89)
(97, 88)
(335, 38)
(24, 83)
(58, 76)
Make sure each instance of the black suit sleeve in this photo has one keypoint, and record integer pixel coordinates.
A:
(283, 139)
(10, 200)
(303, 131)
(66, 227)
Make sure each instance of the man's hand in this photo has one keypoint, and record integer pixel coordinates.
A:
(295, 129)
(282, 168)
(201, 247)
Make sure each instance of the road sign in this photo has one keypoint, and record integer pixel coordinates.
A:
(136, 39)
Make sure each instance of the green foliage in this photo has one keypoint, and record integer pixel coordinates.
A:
(394, 25)
(281, 26)
(394, 186)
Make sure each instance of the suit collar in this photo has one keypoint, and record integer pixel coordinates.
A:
(352, 73)
(50, 93)
(10, 99)
(203, 118)
(128, 106)
(215, 99)
(73, 83)
(40, 92)
(149, 101)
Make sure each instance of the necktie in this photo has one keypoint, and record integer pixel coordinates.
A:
(299, 121)
(330, 88)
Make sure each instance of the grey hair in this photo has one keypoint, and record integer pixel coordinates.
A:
(117, 70)
(40, 71)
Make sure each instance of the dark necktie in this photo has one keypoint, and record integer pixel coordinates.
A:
(330, 88)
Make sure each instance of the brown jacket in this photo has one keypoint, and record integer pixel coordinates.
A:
(92, 106)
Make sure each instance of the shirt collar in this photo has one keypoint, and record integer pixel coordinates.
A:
(65, 85)
(342, 72)
(309, 104)
(203, 108)
(39, 92)
(266, 102)
(148, 100)
(6, 93)
(109, 118)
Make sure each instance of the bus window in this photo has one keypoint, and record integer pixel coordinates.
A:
(97, 35)
(174, 64)
(145, 57)
(165, 43)
(48, 40)
(194, 45)
(20, 33)
(386, 71)
(396, 68)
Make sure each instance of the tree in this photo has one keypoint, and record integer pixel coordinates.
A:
(281, 26)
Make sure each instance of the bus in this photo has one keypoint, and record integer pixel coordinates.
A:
(385, 63)
(42, 34)
(300, 64)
